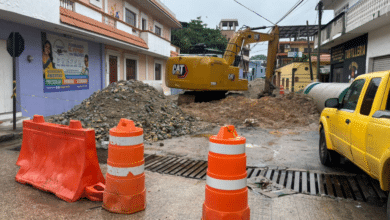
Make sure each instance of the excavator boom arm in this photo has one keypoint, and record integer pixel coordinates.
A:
(271, 61)
(248, 36)
(240, 39)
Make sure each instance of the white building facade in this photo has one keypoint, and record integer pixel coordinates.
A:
(358, 36)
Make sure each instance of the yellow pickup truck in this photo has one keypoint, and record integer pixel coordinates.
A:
(358, 127)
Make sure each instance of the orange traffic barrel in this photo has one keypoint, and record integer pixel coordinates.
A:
(125, 179)
(281, 92)
(226, 187)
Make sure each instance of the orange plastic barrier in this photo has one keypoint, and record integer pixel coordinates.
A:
(60, 159)
(226, 190)
(125, 179)
(281, 92)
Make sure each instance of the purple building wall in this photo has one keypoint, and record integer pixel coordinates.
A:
(30, 96)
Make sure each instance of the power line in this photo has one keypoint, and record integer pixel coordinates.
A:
(259, 50)
(301, 6)
(255, 12)
(291, 10)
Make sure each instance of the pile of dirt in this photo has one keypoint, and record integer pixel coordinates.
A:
(288, 111)
(254, 87)
(158, 116)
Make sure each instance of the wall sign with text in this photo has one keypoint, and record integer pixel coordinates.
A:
(65, 64)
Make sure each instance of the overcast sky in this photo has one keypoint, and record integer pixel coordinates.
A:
(212, 11)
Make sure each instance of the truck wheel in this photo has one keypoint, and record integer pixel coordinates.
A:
(327, 157)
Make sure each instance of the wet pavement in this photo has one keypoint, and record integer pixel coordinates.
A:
(292, 148)
(168, 197)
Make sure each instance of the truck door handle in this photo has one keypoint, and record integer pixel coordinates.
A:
(347, 121)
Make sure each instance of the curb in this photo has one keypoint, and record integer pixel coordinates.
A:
(10, 136)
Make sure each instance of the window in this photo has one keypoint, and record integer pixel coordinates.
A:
(143, 24)
(306, 50)
(157, 30)
(369, 97)
(351, 98)
(281, 48)
(157, 71)
(296, 79)
(294, 49)
(130, 17)
(388, 102)
(97, 3)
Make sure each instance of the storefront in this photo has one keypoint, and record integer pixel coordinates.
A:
(348, 60)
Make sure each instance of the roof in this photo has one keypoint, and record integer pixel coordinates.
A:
(374, 74)
(323, 58)
(84, 22)
(225, 22)
(166, 11)
(296, 31)
(295, 42)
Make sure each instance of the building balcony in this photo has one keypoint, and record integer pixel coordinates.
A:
(98, 15)
(18, 11)
(156, 44)
(331, 33)
(367, 15)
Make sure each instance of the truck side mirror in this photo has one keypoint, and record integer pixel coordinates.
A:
(332, 103)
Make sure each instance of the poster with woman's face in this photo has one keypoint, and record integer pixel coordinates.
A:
(65, 64)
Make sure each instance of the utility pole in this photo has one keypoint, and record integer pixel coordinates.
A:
(14, 81)
(319, 6)
(308, 46)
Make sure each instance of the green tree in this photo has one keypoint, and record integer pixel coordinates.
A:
(196, 33)
(259, 57)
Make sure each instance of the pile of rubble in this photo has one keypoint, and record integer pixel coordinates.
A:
(287, 111)
(158, 116)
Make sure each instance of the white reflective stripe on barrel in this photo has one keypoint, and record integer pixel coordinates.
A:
(126, 141)
(124, 171)
(227, 148)
(226, 184)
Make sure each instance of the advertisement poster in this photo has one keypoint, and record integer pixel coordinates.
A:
(65, 64)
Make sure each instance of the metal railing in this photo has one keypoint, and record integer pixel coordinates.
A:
(365, 11)
(67, 4)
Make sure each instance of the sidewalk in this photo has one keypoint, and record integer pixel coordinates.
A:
(168, 197)
(7, 133)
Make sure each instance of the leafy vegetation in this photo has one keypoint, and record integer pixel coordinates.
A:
(197, 32)
(259, 57)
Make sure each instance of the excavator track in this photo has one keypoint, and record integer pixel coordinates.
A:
(200, 96)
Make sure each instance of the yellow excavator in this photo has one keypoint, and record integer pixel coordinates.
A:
(206, 78)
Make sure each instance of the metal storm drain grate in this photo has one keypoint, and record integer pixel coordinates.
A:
(356, 187)
(176, 166)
